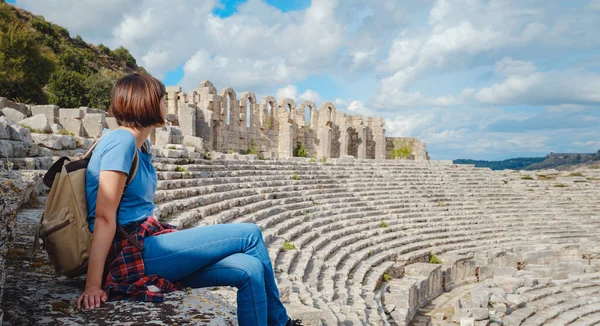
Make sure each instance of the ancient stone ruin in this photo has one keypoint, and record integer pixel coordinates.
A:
(354, 241)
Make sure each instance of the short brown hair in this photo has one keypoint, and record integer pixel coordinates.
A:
(135, 101)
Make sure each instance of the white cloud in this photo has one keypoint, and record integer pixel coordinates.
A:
(530, 54)
(509, 67)
(291, 91)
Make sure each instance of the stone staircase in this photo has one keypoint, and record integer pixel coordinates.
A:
(350, 221)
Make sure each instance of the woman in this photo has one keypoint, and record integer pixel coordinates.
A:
(146, 258)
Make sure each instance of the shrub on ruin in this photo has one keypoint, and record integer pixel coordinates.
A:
(576, 174)
(288, 246)
(387, 277)
(300, 151)
(526, 177)
(180, 169)
(324, 159)
(401, 150)
(252, 148)
(383, 224)
(295, 176)
(433, 259)
(560, 185)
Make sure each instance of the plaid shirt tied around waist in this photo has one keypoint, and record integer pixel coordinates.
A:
(125, 273)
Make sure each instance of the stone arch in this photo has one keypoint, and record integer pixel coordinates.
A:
(269, 111)
(326, 113)
(230, 111)
(247, 112)
(209, 85)
(193, 97)
(301, 114)
(289, 106)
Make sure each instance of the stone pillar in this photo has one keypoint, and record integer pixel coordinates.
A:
(173, 99)
(187, 120)
(285, 140)
(324, 135)
(377, 126)
(362, 142)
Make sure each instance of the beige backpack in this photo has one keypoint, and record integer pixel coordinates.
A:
(63, 227)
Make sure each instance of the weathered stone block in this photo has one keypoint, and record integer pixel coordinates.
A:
(13, 148)
(70, 119)
(196, 142)
(111, 122)
(39, 122)
(23, 108)
(57, 142)
(5, 130)
(17, 132)
(51, 111)
(13, 114)
(187, 120)
(93, 123)
(70, 114)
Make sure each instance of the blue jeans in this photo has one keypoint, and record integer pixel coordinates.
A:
(221, 255)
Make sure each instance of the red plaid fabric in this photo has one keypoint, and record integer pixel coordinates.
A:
(125, 274)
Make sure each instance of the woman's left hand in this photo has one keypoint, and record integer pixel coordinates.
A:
(91, 298)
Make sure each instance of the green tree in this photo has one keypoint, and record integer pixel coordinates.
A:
(103, 49)
(66, 88)
(24, 67)
(123, 54)
(98, 87)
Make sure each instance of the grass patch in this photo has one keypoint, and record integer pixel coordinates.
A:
(295, 176)
(560, 185)
(546, 177)
(441, 204)
(387, 277)
(383, 224)
(171, 147)
(288, 246)
(576, 174)
(37, 131)
(312, 160)
(324, 159)
(370, 252)
(592, 179)
(527, 177)
(65, 132)
(433, 259)
(181, 169)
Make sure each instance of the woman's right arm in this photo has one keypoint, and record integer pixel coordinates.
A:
(110, 190)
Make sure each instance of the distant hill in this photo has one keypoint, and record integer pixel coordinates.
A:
(513, 163)
(41, 63)
(558, 161)
(566, 161)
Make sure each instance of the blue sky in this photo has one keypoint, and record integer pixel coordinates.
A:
(484, 79)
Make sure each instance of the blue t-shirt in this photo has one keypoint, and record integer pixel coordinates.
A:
(115, 152)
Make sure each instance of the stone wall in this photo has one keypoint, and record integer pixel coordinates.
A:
(205, 120)
(15, 190)
(414, 148)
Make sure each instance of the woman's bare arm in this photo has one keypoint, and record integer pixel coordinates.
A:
(110, 189)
